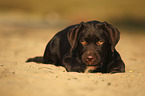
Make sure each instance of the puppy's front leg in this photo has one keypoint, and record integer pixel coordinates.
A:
(73, 65)
(117, 65)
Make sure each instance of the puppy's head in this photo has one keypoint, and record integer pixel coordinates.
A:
(93, 42)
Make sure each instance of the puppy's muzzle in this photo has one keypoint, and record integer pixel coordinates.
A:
(91, 58)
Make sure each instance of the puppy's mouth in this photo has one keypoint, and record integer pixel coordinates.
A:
(98, 65)
(92, 68)
(93, 63)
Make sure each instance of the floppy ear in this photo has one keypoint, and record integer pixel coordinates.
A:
(73, 35)
(112, 33)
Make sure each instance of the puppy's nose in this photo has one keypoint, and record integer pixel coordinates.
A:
(90, 58)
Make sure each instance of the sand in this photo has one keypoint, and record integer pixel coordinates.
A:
(18, 78)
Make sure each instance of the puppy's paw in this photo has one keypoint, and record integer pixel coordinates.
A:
(116, 70)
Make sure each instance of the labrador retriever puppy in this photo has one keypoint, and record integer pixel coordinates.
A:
(86, 47)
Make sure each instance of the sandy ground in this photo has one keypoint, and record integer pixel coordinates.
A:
(18, 78)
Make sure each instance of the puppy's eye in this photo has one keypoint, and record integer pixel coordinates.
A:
(99, 42)
(83, 42)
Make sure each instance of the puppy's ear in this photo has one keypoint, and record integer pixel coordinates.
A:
(112, 33)
(73, 34)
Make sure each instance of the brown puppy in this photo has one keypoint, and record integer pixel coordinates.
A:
(86, 47)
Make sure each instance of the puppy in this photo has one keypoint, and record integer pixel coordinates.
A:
(86, 47)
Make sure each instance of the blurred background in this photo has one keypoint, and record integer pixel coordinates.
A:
(125, 14)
